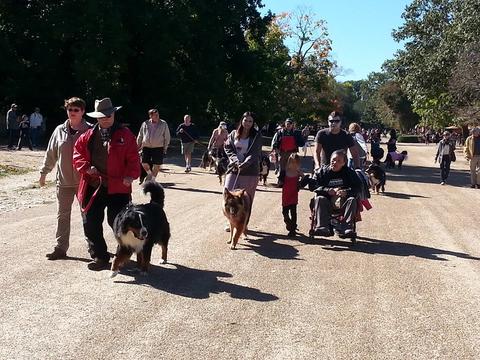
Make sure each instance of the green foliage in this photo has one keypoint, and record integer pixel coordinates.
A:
(408, 138)
(436, 34)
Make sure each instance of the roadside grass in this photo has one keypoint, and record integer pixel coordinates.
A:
(7, 170)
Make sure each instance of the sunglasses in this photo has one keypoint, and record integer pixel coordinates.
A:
(333, 121)
(73, 110)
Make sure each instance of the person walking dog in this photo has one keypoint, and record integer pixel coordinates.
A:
(106, 157)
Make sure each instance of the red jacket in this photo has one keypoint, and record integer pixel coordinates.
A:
(122, 161)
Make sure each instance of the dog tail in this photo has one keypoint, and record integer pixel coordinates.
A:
(157, 194)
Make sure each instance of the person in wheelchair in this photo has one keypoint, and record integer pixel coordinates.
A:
(336, 187)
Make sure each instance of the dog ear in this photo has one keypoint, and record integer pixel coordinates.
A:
(226, 193)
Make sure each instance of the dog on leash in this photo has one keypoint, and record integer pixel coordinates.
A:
(236, 208)
(207, 160)
(377, 177)
(138, 227)
(264, 169)
(220, 162)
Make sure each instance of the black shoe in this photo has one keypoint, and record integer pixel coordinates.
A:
(292, 233)
(56, 254)
(322, 231)
(98, 264)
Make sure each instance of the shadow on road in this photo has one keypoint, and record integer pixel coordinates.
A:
(194, 283)
(428, 175)
(374, 246)
(266, 246)
(403, 196)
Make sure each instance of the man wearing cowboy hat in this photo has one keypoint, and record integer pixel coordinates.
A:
(107, 159)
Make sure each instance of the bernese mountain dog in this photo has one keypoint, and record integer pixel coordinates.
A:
(138, 227)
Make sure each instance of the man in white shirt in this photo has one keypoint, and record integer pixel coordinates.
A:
(36, 122)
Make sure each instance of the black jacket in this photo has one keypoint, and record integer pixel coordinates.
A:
(326, 179)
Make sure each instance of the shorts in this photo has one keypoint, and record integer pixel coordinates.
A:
(152, 156)
(187, 148)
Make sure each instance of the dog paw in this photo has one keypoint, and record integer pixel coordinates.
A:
(113, 274)
(232, 247)
(164, 261)
(229, 241)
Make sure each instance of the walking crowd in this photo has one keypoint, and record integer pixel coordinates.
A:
(97, 163)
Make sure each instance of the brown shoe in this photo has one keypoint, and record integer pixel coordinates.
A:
(56, 254)
(98, 264)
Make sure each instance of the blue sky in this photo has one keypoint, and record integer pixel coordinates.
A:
(360, 30)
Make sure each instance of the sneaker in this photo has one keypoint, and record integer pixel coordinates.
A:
(473, 186)
(322, 231)
(442, 183)
(348, 232)
(188, 169)
(56, 254)
(98, 264)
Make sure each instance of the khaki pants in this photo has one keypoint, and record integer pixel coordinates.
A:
(475, 170)
(65, 197)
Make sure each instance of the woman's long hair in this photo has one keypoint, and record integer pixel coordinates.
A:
(241, 129)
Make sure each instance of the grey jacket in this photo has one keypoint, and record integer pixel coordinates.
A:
(60, 153)
(440, 146)
(251, 164)
(159, 139)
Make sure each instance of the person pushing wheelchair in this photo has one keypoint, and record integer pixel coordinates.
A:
(336, 187)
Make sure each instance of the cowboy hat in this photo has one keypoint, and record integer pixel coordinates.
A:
(103, 108)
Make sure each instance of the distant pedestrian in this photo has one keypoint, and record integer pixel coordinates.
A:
(24, 136)
(218, 138)
(59, 155)
(445, 155)
(187, 131)
(12, 121)
(153, 139)
(472, 154)
(285, 142)
(36, 125)
(360, 144)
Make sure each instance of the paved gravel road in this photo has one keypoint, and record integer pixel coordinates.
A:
(410, 289)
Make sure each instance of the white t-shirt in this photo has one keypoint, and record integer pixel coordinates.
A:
(242, 146)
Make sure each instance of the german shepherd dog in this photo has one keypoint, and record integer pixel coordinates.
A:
(236, 208)
(264, 169)
(377, 177)
(138, 227)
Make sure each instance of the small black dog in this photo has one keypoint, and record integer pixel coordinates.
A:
(138, 227)
(377, 177)
(220, 162)
(207, 160)
(264, 169)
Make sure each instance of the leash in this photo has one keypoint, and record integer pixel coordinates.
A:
(92, 198)
(195, 141)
